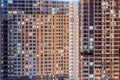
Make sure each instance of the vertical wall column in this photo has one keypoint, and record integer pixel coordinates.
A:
(74, 40)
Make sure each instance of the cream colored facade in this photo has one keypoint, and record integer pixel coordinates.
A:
(45, 35)
(44, 42)
(74, 40)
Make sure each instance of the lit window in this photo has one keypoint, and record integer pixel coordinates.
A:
(22, 22)
(91, 39)
(14, 12)
(22, 51)
(18, 44)
(91, 75)
(91, 27)
(91, 47)
(91, 63)
(10, 1)
(2, 5)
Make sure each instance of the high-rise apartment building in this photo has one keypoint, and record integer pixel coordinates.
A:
(0, 41)
(50, 39)
(99, 39)
(39, 39)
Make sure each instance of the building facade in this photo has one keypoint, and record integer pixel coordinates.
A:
(99, 39)
(35, 39)
(0, 40)
(50, 39)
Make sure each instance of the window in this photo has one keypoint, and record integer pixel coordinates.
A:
(91, 27)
